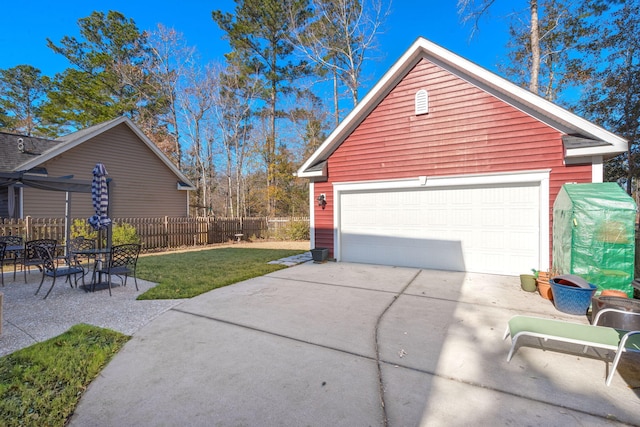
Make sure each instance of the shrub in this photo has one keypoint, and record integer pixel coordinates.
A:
(81, 227)
(294, 230)
(124, 233)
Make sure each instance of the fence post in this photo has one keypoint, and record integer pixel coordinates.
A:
(166, 231)
(27, 228)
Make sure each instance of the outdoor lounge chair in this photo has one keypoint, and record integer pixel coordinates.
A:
(603, 337)
(50, 269)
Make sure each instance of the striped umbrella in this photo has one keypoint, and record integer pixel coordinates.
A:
(100, 198)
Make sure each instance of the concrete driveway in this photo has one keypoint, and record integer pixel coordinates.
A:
(341, 344)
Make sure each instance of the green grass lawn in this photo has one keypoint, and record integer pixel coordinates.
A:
(187, 274)
(40, 385)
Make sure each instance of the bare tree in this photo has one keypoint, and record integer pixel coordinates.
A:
(196, 105)
(172, 58)
(233, 104)
(337, 36)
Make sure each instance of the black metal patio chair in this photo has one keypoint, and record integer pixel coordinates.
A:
(31, 256)
(14, 255)
(123, 260)
(50, 268)
(75, 247)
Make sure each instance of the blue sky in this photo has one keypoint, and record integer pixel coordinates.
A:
(23, 36)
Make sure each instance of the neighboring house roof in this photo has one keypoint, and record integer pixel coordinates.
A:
(40, 150)
(582, 138)
(17, 150)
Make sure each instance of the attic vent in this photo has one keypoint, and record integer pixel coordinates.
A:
(20, 145)
(422, 102)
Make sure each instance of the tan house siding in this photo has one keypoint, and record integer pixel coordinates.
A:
(142, 185)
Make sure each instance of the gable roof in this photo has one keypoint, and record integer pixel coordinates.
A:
(45, 149)
(16, 150)
(581, 137)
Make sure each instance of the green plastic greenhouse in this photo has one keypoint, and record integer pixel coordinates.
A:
(594, 235)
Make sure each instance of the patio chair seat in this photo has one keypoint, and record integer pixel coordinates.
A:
(616, 340)
(50, 269)
(119, 271)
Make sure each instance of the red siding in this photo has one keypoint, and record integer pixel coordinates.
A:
(324, 217)
(467, 131)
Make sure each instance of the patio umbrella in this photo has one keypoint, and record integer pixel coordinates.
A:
(100, 198)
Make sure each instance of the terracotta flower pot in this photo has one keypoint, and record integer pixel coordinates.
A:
(614, 293)
(545, 289)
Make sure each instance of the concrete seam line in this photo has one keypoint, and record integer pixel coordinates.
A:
(24, 331)
(358, 288)
(385, 418)
(275, 334)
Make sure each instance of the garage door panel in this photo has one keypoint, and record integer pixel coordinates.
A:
(404, 252)
(491, 229)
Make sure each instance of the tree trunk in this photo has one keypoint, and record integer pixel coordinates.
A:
(336, 104)
(535, 47)
(229, 201)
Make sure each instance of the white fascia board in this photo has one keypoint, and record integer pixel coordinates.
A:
(187, 187)
(619, 147)
(313, 174)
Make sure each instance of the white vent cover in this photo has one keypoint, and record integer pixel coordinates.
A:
(422, 102)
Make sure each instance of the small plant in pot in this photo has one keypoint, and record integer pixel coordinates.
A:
(544, 287)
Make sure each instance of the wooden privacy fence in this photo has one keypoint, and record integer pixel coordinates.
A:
(161, 233)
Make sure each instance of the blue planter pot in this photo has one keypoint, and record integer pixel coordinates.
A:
(570, 298)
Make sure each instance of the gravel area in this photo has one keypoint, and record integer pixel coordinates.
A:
(28, 318)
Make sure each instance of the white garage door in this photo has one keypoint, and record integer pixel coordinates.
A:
(487, 229)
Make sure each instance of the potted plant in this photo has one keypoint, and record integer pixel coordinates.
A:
(544, 287)
(528, 282)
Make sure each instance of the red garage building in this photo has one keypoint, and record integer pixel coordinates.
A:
(446, 165)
